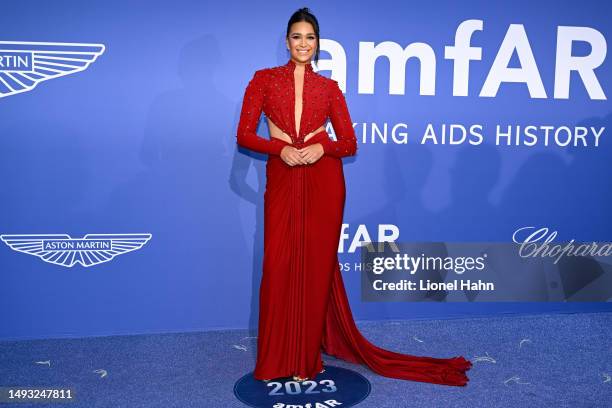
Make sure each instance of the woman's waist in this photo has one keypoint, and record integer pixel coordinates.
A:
(316, 138)
(312, 139)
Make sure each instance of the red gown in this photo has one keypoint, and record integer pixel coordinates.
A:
(304, 309)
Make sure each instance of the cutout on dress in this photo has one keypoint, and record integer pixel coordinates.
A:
(272, 124)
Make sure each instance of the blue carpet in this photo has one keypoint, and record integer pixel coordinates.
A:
(562, 360)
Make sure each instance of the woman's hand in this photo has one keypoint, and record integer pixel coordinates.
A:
(292, 156)
(310, 154)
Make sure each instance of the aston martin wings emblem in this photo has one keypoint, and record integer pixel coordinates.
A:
(23, 65)
(61, 249)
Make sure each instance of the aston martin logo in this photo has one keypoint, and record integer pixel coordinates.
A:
(23, 65)
(61, 249)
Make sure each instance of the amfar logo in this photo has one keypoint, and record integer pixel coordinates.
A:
(24, 64)
(566, 63)
(60, 249)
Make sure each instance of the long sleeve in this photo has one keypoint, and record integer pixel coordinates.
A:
(252, 106)
(346, 144)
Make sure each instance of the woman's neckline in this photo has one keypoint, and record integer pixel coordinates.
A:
(292, 64)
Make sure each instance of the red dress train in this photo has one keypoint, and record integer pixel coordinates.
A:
(304, 310)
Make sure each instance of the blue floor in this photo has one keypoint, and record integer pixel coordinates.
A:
(562, 360)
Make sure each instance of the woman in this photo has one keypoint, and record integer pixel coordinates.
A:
(303, 303)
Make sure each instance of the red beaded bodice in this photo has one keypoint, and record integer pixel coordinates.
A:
(272, 90)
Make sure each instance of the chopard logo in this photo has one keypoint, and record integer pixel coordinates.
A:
(23, 65)
(536, 244)
(61, 249)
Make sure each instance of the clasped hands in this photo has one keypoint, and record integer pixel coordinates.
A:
(306, 155)
(294, 156)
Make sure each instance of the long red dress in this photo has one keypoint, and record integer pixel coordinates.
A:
(304, 309)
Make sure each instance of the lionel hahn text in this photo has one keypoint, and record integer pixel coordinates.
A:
(429, 285)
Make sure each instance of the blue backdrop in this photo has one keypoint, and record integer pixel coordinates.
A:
(143, 141)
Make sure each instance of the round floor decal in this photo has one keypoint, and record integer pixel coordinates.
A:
(336, 387)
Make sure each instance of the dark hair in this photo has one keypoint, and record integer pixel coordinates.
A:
(304, 14)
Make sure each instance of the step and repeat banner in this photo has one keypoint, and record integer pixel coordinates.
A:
(484, 147)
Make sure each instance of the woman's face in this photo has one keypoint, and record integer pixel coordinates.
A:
(302, 42)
